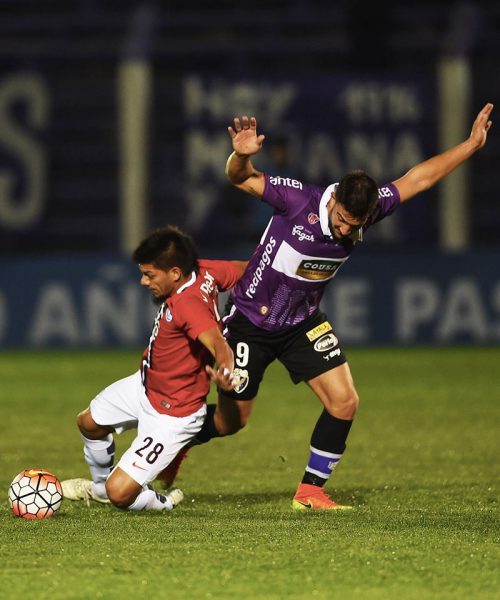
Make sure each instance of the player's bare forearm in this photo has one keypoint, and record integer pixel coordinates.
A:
(215, 343)
(426, 174)
(223, 355)
(241, 173)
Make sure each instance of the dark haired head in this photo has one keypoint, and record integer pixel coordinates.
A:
(358, 194)
(166, 248)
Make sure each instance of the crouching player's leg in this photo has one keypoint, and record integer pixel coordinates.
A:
(126, 493)
(124, 405)
(119, 487)
(159, 439)
(99, 452)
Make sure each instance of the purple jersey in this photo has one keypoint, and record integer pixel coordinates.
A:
(297, 255)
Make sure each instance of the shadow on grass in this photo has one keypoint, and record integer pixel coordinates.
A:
(354, 496)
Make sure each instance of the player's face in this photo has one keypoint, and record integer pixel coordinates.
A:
(342, 223)
(160, 283)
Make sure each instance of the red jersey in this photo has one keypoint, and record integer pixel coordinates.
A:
(173, 365)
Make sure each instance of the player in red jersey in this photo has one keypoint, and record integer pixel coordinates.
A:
(166, 398)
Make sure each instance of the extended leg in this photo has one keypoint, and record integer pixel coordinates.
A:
(335, 389)
(226, 417)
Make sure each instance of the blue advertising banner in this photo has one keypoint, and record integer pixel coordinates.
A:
(376, 298)
(316, 130)
(61, 164)
(73, 302)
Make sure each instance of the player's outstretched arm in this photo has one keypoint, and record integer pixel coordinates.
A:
(224, 358)
(239, 167)
(426, 174)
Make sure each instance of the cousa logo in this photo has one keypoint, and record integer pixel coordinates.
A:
(326, 342)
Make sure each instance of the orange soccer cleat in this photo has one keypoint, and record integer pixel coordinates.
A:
(313, 497)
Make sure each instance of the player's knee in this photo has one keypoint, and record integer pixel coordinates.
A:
(344, 405)
(231, 427)
(89, 428)
(230, 416)
(118, 496)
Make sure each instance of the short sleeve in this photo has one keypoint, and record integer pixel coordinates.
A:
(287, 196)
(225, 272)
(195, 315)
(388, 201)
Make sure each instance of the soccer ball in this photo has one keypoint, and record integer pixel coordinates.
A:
(35, 494)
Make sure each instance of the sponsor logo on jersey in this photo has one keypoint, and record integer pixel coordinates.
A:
(241, 379)
(317, 268)
(315, 333)
(298, 230)
(312, 218)
(384, 192)
(286, 181)
(332, 354)
(326, 343)
(207, 287)
(265, 260)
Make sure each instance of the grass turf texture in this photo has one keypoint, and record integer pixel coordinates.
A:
(421, 470)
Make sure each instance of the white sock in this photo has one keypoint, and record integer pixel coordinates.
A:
(100, 457)
(148, 499)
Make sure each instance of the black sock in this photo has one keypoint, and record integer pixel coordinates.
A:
(328, 442)
(208, 430)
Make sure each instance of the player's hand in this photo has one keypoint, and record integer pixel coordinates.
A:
(223, 377)
(244, 136)
(481, 126)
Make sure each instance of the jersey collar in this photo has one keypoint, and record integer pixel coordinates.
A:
(323, 212)
(189, 282)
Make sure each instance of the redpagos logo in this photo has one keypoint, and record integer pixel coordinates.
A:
(265, 260)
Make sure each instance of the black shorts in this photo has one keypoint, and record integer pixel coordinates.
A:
(306, 350)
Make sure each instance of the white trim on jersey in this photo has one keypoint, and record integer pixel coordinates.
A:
(323, 212)
(263, 237)
(188, 283)
(225, 318)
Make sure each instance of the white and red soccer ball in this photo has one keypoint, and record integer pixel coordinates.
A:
(35, 494)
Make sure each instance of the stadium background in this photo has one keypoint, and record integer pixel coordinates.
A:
(113, 120)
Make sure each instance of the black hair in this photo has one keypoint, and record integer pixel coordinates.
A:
(358, 194)
(168, 247)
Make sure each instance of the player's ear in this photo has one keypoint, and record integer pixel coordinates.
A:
(176, 273)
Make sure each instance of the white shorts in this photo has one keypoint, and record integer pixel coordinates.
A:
(124, 405)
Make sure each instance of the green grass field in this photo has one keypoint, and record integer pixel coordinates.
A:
(421, 470)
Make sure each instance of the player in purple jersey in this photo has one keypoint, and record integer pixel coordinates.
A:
(275, 313)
